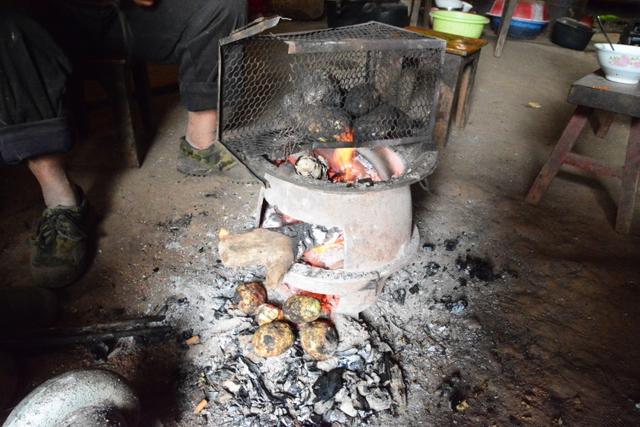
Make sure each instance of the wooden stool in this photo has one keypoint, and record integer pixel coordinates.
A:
(458, 77)
(590, 93)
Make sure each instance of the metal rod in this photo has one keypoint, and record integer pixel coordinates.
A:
(606, 36)
(57, 337)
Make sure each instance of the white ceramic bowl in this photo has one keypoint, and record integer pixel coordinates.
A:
(449, 4)
(621, 65)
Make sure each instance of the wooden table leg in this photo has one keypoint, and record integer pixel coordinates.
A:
(462, 96)
(505, 22)
(465, 98)
(630, 175)
(446, 96)
(564, 145)
(415, 12)
(601, 122)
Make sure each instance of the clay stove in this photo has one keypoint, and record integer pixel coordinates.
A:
(337, 124)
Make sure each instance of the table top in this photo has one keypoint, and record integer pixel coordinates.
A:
(457, 45)
(595, 91)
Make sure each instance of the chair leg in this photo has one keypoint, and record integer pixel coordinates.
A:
(630, 175)
(564, 145)
(142, 91)
(507, 14)
(123, 107)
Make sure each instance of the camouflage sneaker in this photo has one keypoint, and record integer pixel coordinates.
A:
(59, 248)
(192, 161)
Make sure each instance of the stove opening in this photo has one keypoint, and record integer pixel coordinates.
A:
(316, 245)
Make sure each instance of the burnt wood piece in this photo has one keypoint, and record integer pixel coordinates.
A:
(505, 22)
(617, 98)
(595, 91)
(259, 247)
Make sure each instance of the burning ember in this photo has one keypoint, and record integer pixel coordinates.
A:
(327, 302)
(329, 256)
(317, 246)
(347, 165)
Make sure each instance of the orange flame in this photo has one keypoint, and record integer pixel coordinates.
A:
(346, 136)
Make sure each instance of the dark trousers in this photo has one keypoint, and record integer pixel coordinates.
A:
(35, 47)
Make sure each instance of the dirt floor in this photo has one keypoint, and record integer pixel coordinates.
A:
(547, 332)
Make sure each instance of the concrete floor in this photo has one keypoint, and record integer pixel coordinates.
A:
(564, 337)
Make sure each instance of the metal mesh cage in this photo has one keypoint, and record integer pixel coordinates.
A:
(360, 86)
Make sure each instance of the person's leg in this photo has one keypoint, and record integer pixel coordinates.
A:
(57, 189)
(201, 128)
(187, 33)
(33, 73)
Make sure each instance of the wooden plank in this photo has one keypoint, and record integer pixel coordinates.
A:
(594, 91)
(630, 175)
(505, 22)
(564, 145)
(457, 45)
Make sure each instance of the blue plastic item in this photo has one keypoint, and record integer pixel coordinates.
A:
(520, 29)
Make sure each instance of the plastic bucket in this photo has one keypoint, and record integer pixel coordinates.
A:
(459, 23)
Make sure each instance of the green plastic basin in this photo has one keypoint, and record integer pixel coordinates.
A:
(459, 23)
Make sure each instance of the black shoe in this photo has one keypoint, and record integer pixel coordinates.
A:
(59, 247)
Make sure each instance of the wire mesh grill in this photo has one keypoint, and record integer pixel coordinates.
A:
(364, 85)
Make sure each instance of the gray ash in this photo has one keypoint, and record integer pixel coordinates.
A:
(359, 382)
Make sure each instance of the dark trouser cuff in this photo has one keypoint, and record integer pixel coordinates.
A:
(199, 96)
(33, 139)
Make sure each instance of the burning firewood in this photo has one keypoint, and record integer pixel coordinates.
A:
(329, 255)
(273, 250)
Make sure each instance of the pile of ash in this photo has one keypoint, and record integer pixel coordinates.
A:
(361, 380)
